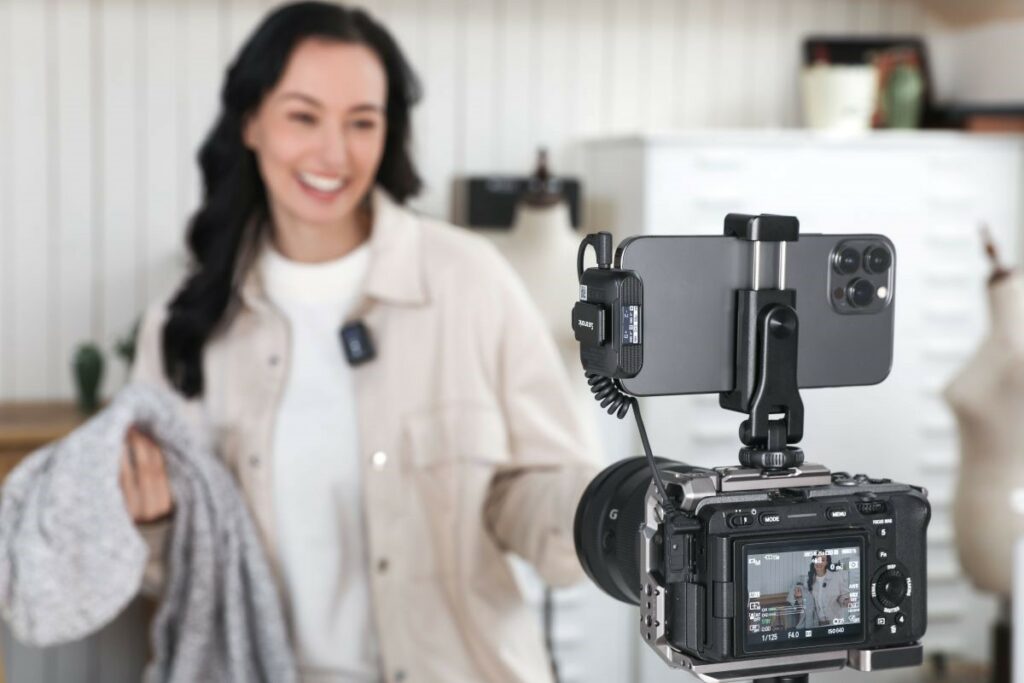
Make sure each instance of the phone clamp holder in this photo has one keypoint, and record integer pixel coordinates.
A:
(767, 335)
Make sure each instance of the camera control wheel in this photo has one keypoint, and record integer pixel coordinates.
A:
(890, 587)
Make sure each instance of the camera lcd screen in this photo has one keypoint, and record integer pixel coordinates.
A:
(800, 595)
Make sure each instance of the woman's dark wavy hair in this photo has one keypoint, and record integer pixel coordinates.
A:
(223, 232)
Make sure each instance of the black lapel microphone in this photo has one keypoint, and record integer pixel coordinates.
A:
(355, 340)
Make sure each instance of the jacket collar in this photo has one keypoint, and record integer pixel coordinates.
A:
(395, 273)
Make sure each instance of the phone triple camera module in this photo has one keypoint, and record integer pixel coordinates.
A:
(861, 276)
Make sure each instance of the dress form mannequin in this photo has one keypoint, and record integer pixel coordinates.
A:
(987, 397)
(541, 246)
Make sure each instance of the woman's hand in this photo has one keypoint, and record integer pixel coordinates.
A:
(144, 483)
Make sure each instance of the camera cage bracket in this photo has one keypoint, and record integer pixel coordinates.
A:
(766, 344)
(695, 486)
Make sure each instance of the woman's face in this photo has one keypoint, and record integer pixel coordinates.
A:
(819, 564)
(319, 134)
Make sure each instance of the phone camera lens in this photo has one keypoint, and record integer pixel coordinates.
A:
(860, 292)
(846, 261)
(877, 259)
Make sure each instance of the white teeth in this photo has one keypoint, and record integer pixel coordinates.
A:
(318, 182)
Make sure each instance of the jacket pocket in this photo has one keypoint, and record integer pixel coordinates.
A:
(448, 462)
(454, 435)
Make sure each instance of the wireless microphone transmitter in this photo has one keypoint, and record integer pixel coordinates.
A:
(355, 340)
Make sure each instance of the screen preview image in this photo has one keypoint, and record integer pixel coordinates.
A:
(795, 596)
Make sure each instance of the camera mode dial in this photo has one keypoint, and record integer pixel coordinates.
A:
(891, 587)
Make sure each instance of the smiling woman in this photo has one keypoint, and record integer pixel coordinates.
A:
(295, 101)
(388, 494)
(319, 137)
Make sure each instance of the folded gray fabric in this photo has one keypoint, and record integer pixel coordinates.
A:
(71, 558)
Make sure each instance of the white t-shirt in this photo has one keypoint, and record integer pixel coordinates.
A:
(316, 472)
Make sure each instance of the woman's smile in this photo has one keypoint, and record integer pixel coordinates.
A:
(321, 187)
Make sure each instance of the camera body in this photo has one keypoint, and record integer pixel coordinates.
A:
(812, 563)
(754, 571)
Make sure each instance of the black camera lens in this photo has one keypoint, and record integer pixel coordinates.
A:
(877, 259)
(860, 292)
(607, 526)
(846, 261)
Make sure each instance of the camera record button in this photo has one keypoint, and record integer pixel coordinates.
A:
(770, 518)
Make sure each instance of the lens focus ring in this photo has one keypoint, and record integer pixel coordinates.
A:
(607, 526)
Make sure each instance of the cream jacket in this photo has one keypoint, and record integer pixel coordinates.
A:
(471, 447)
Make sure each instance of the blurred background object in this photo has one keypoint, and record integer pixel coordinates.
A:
(666, 114)
(987, 397)
(539, 239)
(887, 75)
(840, 97)
(88, 368)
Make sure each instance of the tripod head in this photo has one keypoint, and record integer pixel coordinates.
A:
(767, 335)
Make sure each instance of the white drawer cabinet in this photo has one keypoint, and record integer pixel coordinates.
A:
(928, 192)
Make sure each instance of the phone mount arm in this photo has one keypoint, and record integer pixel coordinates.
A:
(767, 335)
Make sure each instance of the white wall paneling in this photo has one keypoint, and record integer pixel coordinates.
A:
(167, 162)
(976, 51)
(28, 237)
(480, 105)
(6, 196)
(71, 159)
(122, 147)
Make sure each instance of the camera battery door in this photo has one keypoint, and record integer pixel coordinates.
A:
(608, 322)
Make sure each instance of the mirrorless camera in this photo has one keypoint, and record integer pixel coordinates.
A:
(776, 568)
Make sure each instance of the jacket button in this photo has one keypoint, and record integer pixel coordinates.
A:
(382, 565)
(274, 360)
(399, 676)
(379, 459)
(254, 460)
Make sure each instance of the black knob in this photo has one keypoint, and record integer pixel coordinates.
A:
(764, 459)
(891, 587)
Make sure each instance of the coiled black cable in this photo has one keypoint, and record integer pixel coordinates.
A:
(608, 392)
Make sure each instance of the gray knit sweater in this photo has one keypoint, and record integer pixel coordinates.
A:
(71, 558)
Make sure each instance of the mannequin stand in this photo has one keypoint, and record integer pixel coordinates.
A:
(1002, 644)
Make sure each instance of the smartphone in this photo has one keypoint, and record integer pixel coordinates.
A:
(845, 301)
